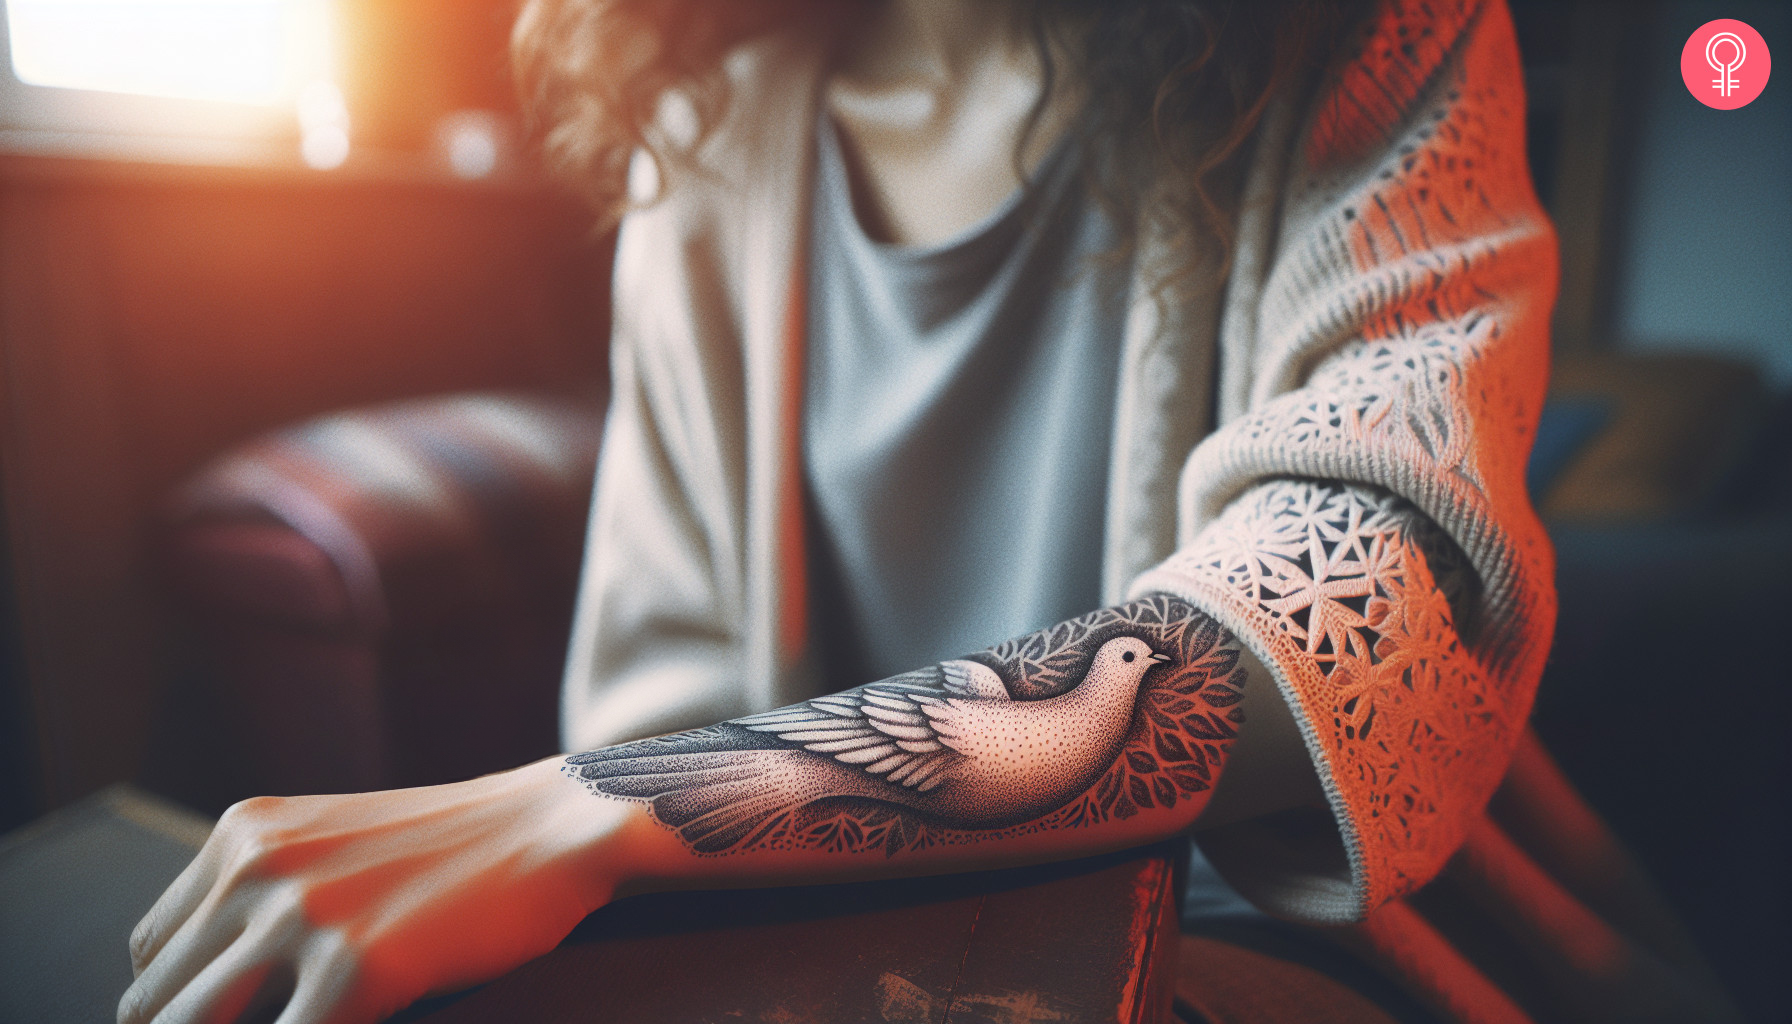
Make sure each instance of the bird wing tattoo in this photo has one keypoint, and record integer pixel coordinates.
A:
(1099, 718)
(900, 731)
(968, 678)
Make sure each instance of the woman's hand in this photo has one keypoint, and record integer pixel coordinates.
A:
(1095, 734)
(351, 907)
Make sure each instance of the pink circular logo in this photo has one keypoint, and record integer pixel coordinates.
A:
(1725, 64)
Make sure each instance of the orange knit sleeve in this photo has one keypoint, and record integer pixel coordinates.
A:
(1362, 521)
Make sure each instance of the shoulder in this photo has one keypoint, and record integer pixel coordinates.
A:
(1390, 65)
(763, 127)
(706, 254)
(1415, 137)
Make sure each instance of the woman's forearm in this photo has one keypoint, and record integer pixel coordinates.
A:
(1105, 731)
(1095, 734)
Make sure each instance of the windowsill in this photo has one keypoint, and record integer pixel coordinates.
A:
(29, 154)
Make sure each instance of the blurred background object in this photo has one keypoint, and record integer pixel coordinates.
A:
(222, 217)
(266, 236)
(390, 87)
(379, 598)
(1663, 465)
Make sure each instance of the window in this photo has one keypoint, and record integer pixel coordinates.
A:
(215, 81)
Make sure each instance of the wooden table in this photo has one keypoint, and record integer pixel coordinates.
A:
(1090, 940)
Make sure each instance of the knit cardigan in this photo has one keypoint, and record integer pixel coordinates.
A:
(1326, 454)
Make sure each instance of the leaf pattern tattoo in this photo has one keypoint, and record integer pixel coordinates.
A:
(1095, 719)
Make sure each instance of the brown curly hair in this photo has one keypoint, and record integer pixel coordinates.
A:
(1176, 88)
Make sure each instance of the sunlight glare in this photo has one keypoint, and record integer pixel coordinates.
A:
(238, 51)
(323, 126)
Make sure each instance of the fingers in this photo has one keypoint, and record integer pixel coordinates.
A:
(325, 980)
(251, 972)
(221, 992)
(174, 907)
(233, 852)
(191, 980)
(193, 945)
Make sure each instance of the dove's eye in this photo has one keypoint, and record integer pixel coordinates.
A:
(1127, 656)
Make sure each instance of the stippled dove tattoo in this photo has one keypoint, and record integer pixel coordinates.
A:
(1118, 711)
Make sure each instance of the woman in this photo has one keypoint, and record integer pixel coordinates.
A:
(1204, 341)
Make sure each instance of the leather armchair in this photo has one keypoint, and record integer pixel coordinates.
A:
(382, 597)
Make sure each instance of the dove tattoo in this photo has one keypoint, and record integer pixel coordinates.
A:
(1118, 711)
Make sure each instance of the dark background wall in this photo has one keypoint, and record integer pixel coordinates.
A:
(1665, 697)
(1708, 216)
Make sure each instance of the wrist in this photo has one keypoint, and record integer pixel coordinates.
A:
(588, 843)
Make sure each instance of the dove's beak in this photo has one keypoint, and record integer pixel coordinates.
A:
(1158, 659)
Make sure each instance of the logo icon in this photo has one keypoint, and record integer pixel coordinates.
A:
(1725, 64)
(1726, 69)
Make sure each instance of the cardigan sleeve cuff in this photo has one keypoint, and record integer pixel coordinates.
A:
(1330, 586)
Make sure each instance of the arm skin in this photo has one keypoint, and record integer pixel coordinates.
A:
(1100, 733)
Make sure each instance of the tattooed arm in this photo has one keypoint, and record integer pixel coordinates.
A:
(1076, 729)
(1103, 732)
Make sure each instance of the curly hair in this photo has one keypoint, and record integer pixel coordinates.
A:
(1175, 89)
